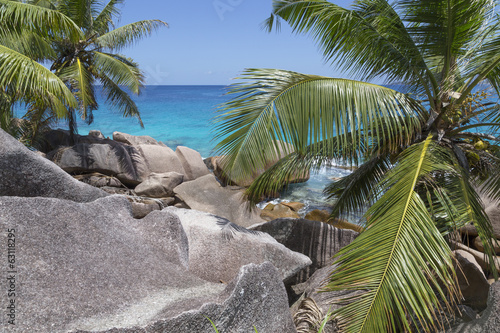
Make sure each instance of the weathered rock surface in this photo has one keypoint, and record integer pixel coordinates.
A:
(99, 180)
(93, 268)
(134, 140)
(141, 210)
(319, 241)
(159, 185)
(191, 162)
(24, 173)
(471, 280)
(160, 159)
(218, 248)
(79, 262)
(479, 256)
(107, 157)
(272, 212)
(321, 215)
(256, 298)
(492, 208)
(207, 195)
(490, 318)
(295, 206)
(478, 244)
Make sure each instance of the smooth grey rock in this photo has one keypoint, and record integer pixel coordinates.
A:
(160, 159)
(490, 318)
(24, 173)
(218, 248)
(134, 140)
(159, 185)
(492, 208)
(256, 298)
(92, 266)
(471, 280)
(191, 162)
(141, 210)
(96, 134)
(207, 195)
(317, 240)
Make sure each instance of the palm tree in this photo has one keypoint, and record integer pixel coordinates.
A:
(81, 61)
(421, 152)
(82, 64)
(24, 31)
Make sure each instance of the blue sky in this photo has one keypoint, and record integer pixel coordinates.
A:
(212, 41)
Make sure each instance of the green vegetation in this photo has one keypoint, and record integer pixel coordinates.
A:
(421, 154)
(78, 40)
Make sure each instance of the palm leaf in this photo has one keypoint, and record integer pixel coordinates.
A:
(80, 79)
(120, 99)
(28, 43)
(352, 193)
(80, 11)
(401, 261)
(128, 34)
(104, 20)
(40, 20)
(368, 40)
(304, 110)
(28, 77)
(122, 73)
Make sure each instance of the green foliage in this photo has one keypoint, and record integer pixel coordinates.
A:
(78, 38)
(421, 155)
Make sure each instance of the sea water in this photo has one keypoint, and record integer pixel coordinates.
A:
(182, 115)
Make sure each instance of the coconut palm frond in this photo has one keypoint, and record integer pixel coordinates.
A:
(401, 239)
(120, 99)
(28, 77)
(81, 81)
(40, 20)
(352, 193)
(104, 21)
(128, 34)
(367, 40)
(122, 73)
(302, 110)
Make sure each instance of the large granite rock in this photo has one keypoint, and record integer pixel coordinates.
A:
(160, 159)
(159, 185)
(207, 195)
(492, 208)
(107, 157)
(134, 140)
(490, 318)
(227, 247)
(256, 299)
(191, 161)
(317, 240)
(272, 212)
(24, 173)
(479, 256)
(471, 280)
(92, 267)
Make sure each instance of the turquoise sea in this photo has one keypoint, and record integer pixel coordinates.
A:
(181, 115)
